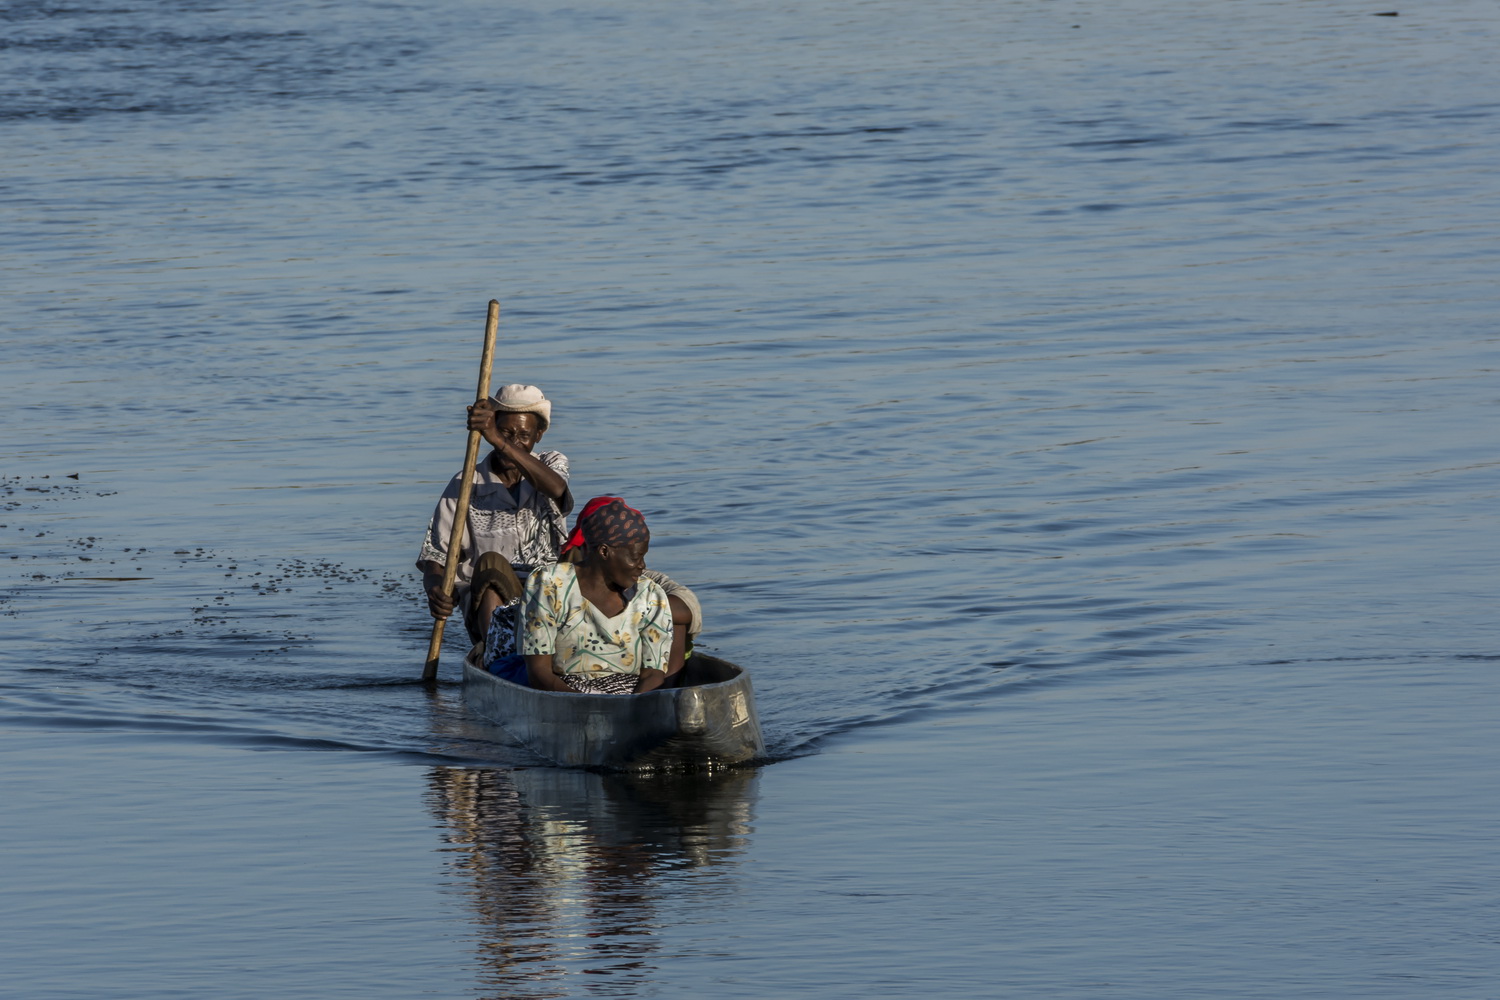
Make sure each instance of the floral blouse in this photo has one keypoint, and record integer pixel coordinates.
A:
(557, 619)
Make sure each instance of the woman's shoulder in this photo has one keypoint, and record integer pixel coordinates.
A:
(550, 574)
(648, 590)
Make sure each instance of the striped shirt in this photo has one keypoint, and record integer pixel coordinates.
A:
(525, 526)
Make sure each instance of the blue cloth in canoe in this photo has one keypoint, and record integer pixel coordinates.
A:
(511, 668)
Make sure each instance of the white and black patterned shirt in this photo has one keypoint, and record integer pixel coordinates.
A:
(526, 527)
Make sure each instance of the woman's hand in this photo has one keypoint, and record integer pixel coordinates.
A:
(541, 676)
(650, 680)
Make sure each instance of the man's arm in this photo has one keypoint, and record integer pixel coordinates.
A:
(439, 604)
(682, 618)
(434, 553)
(546, 481)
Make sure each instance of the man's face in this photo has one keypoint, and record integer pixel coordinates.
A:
(523, 430)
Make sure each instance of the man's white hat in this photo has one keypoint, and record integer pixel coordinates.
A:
(516, 398)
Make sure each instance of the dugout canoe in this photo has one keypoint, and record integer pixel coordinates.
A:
(708, 721)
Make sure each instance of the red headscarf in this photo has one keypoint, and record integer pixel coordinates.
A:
(597, 526)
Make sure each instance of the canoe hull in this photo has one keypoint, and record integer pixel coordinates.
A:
(709, 722)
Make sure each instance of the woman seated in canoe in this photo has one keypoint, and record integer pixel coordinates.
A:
(597, 626)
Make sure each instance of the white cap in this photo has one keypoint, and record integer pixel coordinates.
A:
(517, 398)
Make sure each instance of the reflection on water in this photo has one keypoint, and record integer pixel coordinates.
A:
(565, 868)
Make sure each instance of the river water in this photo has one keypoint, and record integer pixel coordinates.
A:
(1079, 419)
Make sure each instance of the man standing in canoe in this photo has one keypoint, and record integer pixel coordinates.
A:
(516, 516)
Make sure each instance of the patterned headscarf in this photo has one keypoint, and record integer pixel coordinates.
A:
(607, 521)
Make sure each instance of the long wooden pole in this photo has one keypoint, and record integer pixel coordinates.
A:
(466, 487)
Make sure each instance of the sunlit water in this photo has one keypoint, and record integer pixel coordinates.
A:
(1078, 420)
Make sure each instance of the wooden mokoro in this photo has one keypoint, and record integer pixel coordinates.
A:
(708, 721)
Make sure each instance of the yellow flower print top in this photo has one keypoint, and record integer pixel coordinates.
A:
(556, 619)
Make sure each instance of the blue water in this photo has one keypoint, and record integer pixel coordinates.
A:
(1079, 420)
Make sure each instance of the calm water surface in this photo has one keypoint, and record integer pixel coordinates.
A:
(1079, 420)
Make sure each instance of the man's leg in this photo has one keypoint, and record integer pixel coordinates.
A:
(495, 585)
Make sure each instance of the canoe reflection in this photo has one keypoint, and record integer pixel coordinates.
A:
(566, 869)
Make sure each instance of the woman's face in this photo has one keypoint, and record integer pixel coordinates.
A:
(623, 564)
